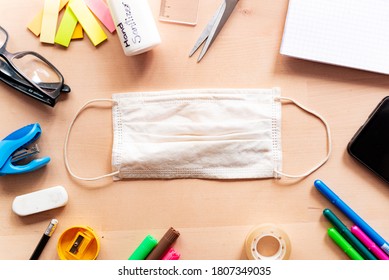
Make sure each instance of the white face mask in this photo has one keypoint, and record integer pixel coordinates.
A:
(209, 134)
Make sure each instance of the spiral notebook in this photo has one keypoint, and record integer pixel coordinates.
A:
(351, 33)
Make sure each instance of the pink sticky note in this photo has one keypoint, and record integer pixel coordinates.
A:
(101, 11)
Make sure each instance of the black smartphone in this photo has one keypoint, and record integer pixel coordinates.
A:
(370, 144)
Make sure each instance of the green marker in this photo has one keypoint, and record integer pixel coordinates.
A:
(344, 245)
(347, 234)
(144, 248)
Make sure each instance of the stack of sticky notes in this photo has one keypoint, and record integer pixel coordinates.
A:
(79, 16)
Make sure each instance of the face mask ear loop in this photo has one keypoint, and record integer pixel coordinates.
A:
(67, 140)
(329, 141)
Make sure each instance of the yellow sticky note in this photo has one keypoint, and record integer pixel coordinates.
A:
(88, 22)
(49, 21)
(35, 25)
(66, 28)
(78, 32)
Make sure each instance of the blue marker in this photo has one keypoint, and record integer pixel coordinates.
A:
(335, 200)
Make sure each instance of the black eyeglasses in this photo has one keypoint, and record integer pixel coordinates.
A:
(30, 73)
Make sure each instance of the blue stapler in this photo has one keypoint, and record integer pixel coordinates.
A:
(15, 148)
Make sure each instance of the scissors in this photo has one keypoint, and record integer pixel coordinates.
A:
(214, 26)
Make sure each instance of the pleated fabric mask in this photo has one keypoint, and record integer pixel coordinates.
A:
(200, 133)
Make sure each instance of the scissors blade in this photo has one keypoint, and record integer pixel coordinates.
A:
(224, 13)
(207, 30)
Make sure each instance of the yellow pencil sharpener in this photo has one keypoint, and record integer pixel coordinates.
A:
(78, 243)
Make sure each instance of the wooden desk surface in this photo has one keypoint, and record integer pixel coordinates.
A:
(212, 216)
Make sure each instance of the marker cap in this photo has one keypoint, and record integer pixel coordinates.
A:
(147, 245)
(343, 244)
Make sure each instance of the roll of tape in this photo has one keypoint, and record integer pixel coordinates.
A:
(267, 235)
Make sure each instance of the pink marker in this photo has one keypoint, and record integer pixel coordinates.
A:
(171, 254)
(369, 243)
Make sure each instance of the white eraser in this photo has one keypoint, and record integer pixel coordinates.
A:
(40, 201)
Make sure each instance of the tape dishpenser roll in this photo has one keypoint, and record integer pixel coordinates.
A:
(267, 242)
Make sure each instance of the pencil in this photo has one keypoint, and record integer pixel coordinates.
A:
(44, 239)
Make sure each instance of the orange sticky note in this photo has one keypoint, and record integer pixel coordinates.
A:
(78, 32)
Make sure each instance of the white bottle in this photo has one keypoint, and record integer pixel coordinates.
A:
(135, 25)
